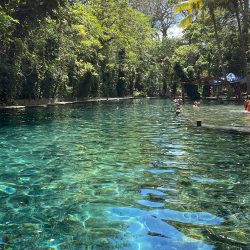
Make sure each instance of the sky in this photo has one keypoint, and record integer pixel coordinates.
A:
(175, 31)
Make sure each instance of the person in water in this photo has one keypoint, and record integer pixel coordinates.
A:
(178, 111)
(196, 104)
(247, 105)
(178, 106)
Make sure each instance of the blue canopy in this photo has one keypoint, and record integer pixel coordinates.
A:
(231, 78)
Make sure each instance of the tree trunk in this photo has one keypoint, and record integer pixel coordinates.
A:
(164, 32)
(211, 10)
(245, 29)
(236, 8)
(240, 37)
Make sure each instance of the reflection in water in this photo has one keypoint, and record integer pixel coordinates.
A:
(136, 177)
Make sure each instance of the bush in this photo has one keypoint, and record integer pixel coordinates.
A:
(139, 94)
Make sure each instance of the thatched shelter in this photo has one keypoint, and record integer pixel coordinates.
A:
(246, 82)
(233, 86)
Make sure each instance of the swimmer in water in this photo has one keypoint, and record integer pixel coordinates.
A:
(196, 105)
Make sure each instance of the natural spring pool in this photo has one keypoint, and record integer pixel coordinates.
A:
(123, 175)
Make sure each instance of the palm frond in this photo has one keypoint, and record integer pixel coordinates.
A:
(186, 21)
(183, 6)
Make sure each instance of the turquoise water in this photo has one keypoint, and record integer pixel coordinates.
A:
(220, 115)
(121, 175)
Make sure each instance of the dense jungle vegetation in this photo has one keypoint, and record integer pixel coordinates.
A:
(73, 48)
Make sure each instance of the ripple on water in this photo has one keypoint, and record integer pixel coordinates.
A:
(148, 203)
(97, 177)
(203, 179)
(148, 223)
(7, 189)
(195, 218)
(160, 171)
(157, 242)
(145, 192)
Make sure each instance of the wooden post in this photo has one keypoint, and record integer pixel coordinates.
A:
(198, 123)
(218, 92)
(183, 92)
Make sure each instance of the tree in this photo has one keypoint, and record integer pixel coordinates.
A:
(241, 11)
(161, 12)
(197, 8)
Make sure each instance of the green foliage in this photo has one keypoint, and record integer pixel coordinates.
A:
(60, 48)
(139, 94)
(75, 50)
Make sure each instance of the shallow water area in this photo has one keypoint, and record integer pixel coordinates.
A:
(122, 175)
(216, 114)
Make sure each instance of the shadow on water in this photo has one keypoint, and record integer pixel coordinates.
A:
(38, 115)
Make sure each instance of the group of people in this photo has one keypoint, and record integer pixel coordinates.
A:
(178, 103)
(196, 104)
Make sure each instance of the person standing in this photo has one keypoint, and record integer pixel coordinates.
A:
(247, 105)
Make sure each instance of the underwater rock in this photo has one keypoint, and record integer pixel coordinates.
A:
(19, 201)
(4, 239)
(237, 238)
(31, 226)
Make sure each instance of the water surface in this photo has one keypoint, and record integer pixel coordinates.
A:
(122, 175)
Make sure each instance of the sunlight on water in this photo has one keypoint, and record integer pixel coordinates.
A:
(122, 175)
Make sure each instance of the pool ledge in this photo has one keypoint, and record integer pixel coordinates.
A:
(229, 129)
(22, 104)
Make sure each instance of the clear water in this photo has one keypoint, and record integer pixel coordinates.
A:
(220, 115)
(122, 175)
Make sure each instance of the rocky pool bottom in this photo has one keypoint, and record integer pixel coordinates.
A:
(123, 175)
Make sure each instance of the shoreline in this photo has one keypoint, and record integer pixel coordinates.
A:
(44, 103)
(23, 104)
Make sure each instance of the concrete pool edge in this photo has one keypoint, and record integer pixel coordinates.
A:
(23, 104)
